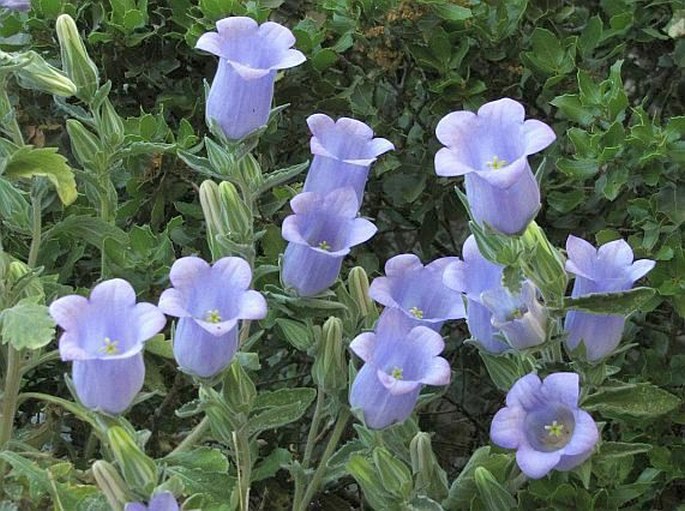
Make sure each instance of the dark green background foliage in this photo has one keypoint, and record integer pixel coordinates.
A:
(608, 76)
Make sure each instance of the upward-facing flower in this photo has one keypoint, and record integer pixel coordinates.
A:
(398, 362)
(163, 501)
(103, 336)
(418, 291)
(321, 233)
(343, 152)
(209, 301)
(543, 422)
(491, 150)
(249, 55)
(605, 270)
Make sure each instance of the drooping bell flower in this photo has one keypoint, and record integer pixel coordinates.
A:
(418, 291)
(519, 316)
(398, 361)
(16, 5)
(321, 233)
(543, 422)
(103, 336)
(249, 55)
(605, 270)
(163, 501)
(490, 149)
(343, 153)
(209, 302)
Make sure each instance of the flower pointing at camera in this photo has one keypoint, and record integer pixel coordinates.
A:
(491, 150)
(605, 270)
(163, 501)
(249, 55)
(543, 422)
(321, 233)
(418, 291)
(398, 362)
(209, 300)
(343, 153)
(103, 336)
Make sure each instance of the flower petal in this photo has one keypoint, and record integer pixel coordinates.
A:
(617, 252)
(564, 387)
(394, 386)
(151, 320)
(525, 392)
(252, 305)
(506, 428)
(585, 435)
(186, 271)
(503, 111)
(437, 372)
(67, 311)
(364, 346)
(448, 164)
(640, 268)
(537, 136)
(536, 464)
(454, 128)
(173, 303)
(233, 271)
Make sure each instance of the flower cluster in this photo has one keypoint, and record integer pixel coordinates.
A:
(324, 226)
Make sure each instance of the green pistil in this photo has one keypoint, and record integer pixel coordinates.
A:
(213, 316)
(555, 429)
(496, 163)
(110, 347)
(416, 312)
(324, 246)
(397, 373)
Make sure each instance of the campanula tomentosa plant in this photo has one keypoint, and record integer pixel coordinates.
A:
(490, 149)
(398, 360)
(418, 291)
(249, 55)
(209, 301)
(343, 153)
(103, 337)
(608, 269)
(543, 422)
(320, 234)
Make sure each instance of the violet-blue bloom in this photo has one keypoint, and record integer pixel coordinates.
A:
(491, 150)
(249, 54)
(543, 422)
(209, 300)
(321, 233)
(418, 291)
(605, 270)
(343, 153)
(103, 336)
(163, 501)
(398, 361)
(16, 5)
(520, 317)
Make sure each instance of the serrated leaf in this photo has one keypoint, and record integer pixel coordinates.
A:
(623, 302)
(296, 333)
(640, 400)
(92, 230)
(29, 161)
(201, 458)
(27, 325)
(277, 459)
(284, 397)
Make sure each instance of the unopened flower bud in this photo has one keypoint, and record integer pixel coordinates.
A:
(238, 215)
(250, 172)
(16, 271)
(394, 473)
(544, 265)
(429, 478)
(239, 390)
(330, 367)
(86, 146)
(358, 286)
(217, 223)
(111, 484)
(111, 125)
(35, 73)
(75, 60)
(139, 470)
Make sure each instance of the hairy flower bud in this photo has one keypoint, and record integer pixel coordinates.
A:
(111, 484)
(358, 286)
(429, 477)
(330, 367)
(36, 73)
(111, 125)
(75, 60)
(139, 470)
(238, 215)
(85, 145)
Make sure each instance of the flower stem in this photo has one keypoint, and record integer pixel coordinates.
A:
(9, 399)
(194, 436)
(314, 484)
(243, 462)
(311, 440)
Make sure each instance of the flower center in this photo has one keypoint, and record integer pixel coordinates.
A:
(110, 347)
(496, 163)
(549, 429)
(213, 316)
(416, 312)
(324, 245)
(555, 429)
(397, 373)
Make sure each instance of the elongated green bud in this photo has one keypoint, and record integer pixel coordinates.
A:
(250, 172)
(210, 200)
(139, 470)
(110, 124)
(85, 145)
(239, 389)
(329, 370)
(111, 485)
(543, 264)
(17, 272)
(429, 478)
(394, 473)
(223, 421)
(358, 286)
(75, 60)
(238, 215)
(35, 73)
